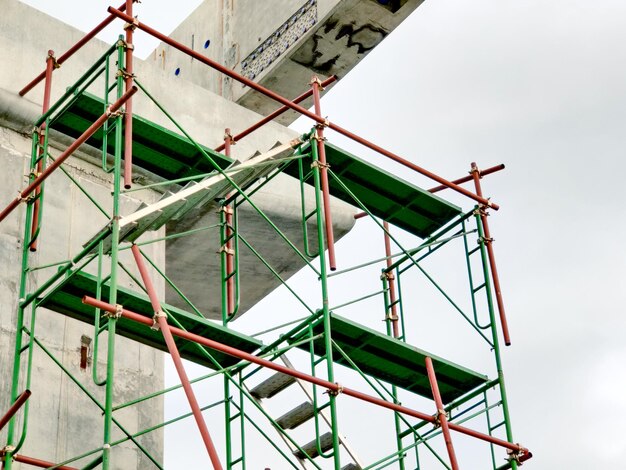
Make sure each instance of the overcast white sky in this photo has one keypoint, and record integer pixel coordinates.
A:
(539, 85)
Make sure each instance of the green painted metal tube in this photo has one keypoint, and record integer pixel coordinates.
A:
(115, 240)
(494, 334)
(326, 311)
(73, 88)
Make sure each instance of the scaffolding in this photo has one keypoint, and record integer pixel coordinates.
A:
(254, 371)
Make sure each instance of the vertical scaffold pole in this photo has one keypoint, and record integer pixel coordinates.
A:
(323, 168)
(325, 306)
(161, 320)
(391, 320)
(227, 299)
(475, 172)
(115, 240)
(494, 331)
(41, 155)
(128, 115)
(441, 412)
(17, 352)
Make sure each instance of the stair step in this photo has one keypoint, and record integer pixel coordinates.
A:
(270, 387)
(294, 418)
(326, 443)
(351, 466)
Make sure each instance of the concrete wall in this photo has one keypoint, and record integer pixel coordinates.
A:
(64, 422)
(279, 43)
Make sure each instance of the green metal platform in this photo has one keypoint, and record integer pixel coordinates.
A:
(67, 299)
(391, 360)
(155, 148)
(385, 195)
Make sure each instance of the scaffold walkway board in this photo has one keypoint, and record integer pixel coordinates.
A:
(67, 300)
(386, 196)
(155, 148)
(392, 360)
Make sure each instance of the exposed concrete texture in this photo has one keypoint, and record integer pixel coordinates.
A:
(58, 408)
(279, 43)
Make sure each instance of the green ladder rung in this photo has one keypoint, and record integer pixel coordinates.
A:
(473, 250)
(476, 289)
(493, 428)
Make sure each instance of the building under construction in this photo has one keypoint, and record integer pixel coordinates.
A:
(147, 206)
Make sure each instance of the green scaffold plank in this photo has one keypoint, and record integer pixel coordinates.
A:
(67, 299)
(155, 148)
(392, 360)
(392, 199)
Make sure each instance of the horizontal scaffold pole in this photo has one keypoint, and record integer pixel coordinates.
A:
(39, 463)
(72, 50)
(275, 96)
(23, 195)
(332, 387)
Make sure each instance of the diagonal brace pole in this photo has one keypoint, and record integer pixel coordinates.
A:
(14, 408)
(161, 318)
(91, 130)
(441, 413)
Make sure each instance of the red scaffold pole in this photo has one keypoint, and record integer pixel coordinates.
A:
(14, 408)
(230, 262)
(333, 387)
(69, 151)
(161, 319)
(441, 413)
(476, 175)
(128, 115)
(273, 115)
(321, 152)
(39, 463)
(41, 155)
(275, 96)
(72, 50)
(392, 284)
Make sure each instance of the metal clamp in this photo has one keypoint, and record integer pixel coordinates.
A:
(226, 210)
(334, 393)
(387, 275)
(516, 455)
(115, 315)
(225, 249)
(486, 240)
(317, 80)
(132, 26)
(229, 136)
(20, 198)
(320, 165)
(437, 422)
(155, 319)
(322, 125)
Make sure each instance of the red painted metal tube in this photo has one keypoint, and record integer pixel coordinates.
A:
(321, 153)
(300, 375)
(71, 149)
(128, 115)
(275, 96)
(14, 408)
(492, 258)
(72, 50)
(465, 179)
(178, 363)
(273, 115)
(39, 463)
(441, 413)
(392, 283)
(41, 154)
(230, 265)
